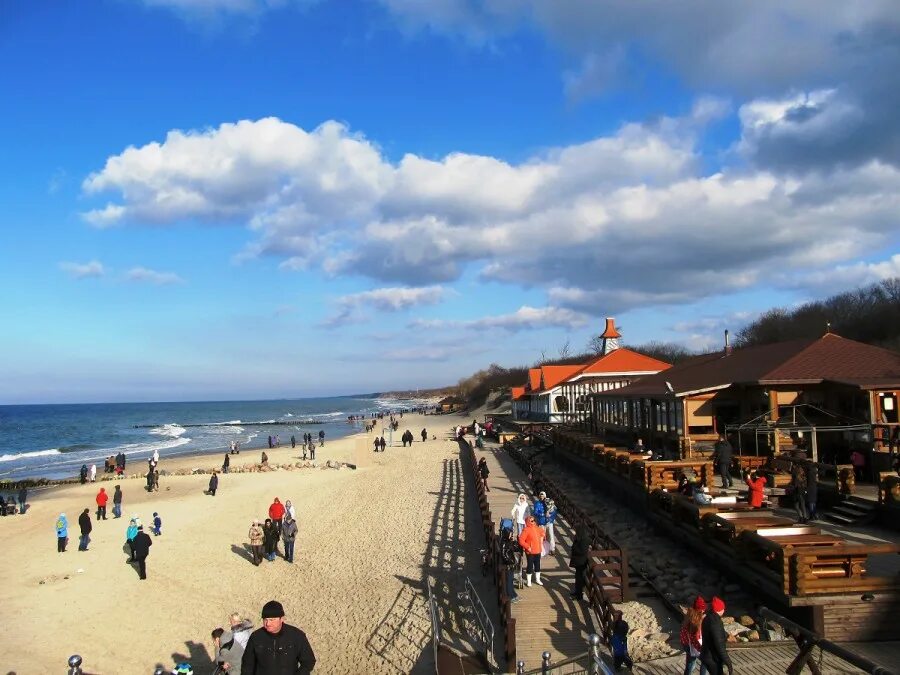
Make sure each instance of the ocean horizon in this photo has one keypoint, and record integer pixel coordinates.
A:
(54, 440)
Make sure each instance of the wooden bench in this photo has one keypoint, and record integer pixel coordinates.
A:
(665, 474)
(686, 510)
(726, 527)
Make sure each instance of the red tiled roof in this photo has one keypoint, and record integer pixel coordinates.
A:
(553, 375)
(622, 361)
(534, 379)
(517, 393)
(830, 357)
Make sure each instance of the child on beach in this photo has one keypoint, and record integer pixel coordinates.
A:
(156, 528)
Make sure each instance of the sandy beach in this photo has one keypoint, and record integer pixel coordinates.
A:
(367, 540)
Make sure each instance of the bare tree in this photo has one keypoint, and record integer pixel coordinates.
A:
(566, 349)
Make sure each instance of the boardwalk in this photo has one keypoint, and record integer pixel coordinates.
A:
(769, 660)
(547, 619)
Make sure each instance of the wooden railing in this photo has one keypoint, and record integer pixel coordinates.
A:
(492, 542)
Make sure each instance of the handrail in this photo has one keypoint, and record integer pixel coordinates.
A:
(484, 621)
(814, 639)
(435, 624)
(596, 664)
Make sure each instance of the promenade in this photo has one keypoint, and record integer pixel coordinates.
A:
(547, 619)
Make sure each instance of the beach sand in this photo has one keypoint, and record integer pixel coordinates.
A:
(367, 540)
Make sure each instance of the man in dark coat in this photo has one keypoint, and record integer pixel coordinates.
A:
(84, 522)
(723, 451)
(213, 483)
(277, 648)
(714, 654)
(141, 546)
(23, 496)
(579, 558)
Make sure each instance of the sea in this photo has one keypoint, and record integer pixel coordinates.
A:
(53, 441)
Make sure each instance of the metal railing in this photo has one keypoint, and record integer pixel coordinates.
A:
(435, 624)
(484, 621)
(807, 640)
(586, 663)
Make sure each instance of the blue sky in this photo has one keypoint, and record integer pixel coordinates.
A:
(216, 199)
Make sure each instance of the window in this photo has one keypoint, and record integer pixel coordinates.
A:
(562, 404)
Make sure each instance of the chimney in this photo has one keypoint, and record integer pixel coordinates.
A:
(727, 345)
(610, 337)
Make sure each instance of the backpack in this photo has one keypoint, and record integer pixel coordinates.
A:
(506, 524)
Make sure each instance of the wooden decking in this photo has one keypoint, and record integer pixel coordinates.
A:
(547, 619)
(759, 660)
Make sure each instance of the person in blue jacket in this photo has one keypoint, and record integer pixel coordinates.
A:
(544, 511)
(62, 533)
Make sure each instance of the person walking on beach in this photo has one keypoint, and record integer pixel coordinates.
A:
(289, 510)
(713, 651)
(484, 472)
(84, 522)
(424, 435)
(117, 502)
(382, 443)
(155, 475)
(213, 484)
(270, 539)
(321, 438)
(532, 542)
(62, 533)
(93, 472)
(130, 534)
(141, 545)
(102, 498)
(293, 441)
(288, 536)
(23, 496)
(277, 648)
(156, 528)
(312, 449)
(692, 636)
(377, 443)
(264, 459)
(579, 558)
(276, 513)
(226, 463)
(257, 536)
(241, 629)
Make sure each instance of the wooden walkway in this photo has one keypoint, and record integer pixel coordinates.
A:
(547, 619)
(768, 660)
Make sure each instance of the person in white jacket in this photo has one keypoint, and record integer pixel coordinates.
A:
(520, 510)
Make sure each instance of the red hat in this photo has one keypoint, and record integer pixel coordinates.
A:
(718, 605)
(700, 604)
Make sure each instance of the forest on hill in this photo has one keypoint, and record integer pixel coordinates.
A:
(870, 314)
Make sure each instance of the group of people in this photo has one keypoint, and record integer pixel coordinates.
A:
(114, 464)
(407, 437)
(703, 638)
(8, 505)
(380, 444)
(280, 525)
(277, 647)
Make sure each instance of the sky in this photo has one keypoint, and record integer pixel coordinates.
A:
(229, 199)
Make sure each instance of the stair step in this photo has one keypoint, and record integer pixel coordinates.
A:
(850, 511)
(837, 518)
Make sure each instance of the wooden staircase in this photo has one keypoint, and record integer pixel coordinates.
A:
(852, 511)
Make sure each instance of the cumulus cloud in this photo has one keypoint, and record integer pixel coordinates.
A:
(524, 318)
(144, 275)
(622, 220)
(354, 308)
(89, 270)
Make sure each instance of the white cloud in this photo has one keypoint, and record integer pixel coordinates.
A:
(524, 318)
(623, 220)
(89, 270)
(354, 308)
(144, 275)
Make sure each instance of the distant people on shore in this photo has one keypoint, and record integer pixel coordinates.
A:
(83, 474)
(277, 648)
(321, 438)
(226, 463)
(117, 502)
(62, 533)
(293, 441)
(407, 437)
(84, 523)
(382, 443)
(264, 459)
(93, 472)
(23, 496)
(424, 435)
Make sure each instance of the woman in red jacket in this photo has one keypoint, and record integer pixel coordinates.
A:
(532, 542)
(756, 485)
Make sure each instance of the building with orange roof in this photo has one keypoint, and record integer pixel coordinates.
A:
(827, 396)
(560, 394)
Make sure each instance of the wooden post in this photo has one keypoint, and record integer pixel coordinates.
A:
(815, 449)
(773, 411)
